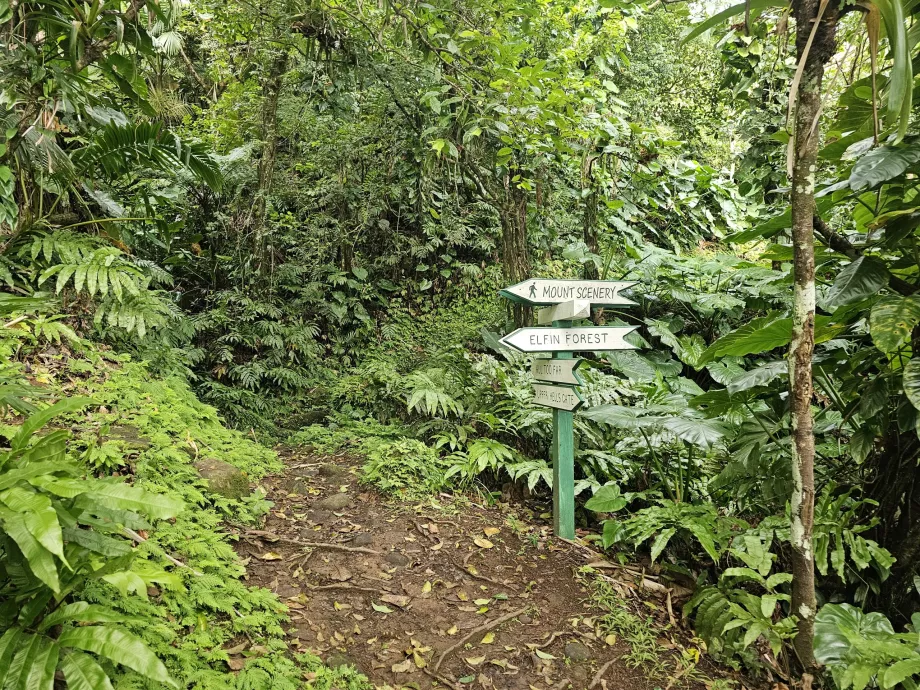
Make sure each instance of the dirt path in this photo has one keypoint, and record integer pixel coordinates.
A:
(449, 593)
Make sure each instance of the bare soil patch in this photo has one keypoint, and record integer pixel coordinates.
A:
(449, 593)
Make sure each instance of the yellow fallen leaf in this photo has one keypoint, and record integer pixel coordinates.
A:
(463, 596)
(483, 543)
(491, 531)
(453, 630)
(271, 556)
(611, 639)
(475, 660)
(426, 587)
(544, 655)
(481, 602)
(418, 659)
(488, 638)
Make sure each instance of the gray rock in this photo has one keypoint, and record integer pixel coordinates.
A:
(363, 540)
(331, 470)
(398, 559)
(334, 502)
(223, 478)
(525, 619)
(338, 659)
(576, 651)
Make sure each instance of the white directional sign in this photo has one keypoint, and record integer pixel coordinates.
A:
(565, 311)
(588, 339)
(558, 397)
(540, 291)
(556, 370)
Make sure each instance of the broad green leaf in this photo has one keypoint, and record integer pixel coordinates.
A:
(41, 675)
(607, 500)
(760, 376)
(40, 517)
(891, 321)
(860, 279)
(126, 497)
(614, 532)
(27, 654)
(120, 647)
(899, 672)
(42, 417)
(83, 673)
(699, 432)
(661, 541)
(883, 164)
(82, 612)
(39, 559)
(127, 582)
(912, 381)
(760, 335)
(9, 643)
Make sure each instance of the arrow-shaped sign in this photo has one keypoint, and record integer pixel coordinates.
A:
(539, 291)
(556, 370)
(589, 339)
(558, 397)
(565, 311)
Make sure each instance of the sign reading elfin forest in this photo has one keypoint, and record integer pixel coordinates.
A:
(565, 301)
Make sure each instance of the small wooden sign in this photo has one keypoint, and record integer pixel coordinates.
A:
(556, 371)
(587, 339)
(542, 292)
(565, 311)
(557, 397)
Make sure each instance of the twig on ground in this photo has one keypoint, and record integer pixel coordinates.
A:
(441, 679)
(481, 629)
(271, 537)
(345, 585)
(602, 670)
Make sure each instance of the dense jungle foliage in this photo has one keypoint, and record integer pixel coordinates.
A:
(228, 224)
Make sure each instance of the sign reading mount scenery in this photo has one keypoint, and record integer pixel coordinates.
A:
(587, 339)
(543, 292)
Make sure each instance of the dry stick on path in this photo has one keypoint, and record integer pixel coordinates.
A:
(603, 669)
(270, 537)
(481, 629)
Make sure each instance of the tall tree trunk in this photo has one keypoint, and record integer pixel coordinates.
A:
(814, 46)
(269, 137)
(515, 252)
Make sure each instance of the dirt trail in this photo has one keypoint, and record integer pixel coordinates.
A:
(446, 595)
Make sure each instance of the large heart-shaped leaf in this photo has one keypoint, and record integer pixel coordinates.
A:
(862, 278)
(608, 499)
(891, 321)
(883, 164)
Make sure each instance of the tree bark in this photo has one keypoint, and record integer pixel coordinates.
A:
(814, 50)
(269, 137)
(515, 252)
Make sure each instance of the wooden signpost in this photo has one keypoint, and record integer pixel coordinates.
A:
(566, 301)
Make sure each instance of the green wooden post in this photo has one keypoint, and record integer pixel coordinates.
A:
(563, 456)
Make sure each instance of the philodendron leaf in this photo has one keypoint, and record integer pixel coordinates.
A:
(912, 382)
(607, 500)
(883, 164)
(891, 321)
(119, 646)
(862, 278)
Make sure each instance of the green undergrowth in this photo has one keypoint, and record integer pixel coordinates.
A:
(152, 430)
(394, 463)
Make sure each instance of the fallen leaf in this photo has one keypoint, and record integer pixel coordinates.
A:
(488, 638)
(466, 679)
(491, 531)
(481, 602)
(380, 608)
(236, 663)
(396, 599)
(475, 660)
(463, 596)
(544, 655)
(611, 639)
(402, 667)
(419, 660)
(271, 556)
(483, 543)
(453, 630)
(426, 587)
